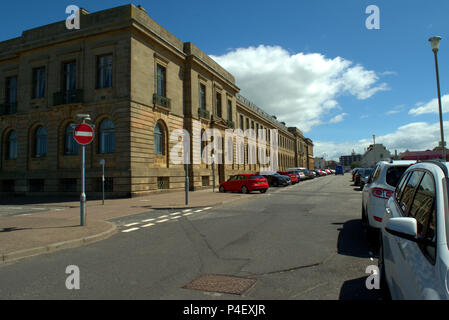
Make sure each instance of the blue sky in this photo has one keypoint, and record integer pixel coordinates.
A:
(281, 45)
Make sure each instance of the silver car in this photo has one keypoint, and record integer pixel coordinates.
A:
(414, 252)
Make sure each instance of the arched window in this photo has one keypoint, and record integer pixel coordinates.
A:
(107, 137)
(70, 145)
(11, 145)
(159, 140)
(40, 142)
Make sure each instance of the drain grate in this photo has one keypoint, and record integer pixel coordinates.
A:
(221, 283)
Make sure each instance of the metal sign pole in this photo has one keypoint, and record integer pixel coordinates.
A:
(83, 187)
(102, 162)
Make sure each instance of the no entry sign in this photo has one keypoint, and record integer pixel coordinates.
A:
(83, 134)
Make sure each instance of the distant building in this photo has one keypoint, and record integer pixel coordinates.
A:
(373, 154)
(347, 160)
(422, 155)
(319, 163)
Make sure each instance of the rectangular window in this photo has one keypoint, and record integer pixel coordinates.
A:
(36, 185)
(247, 123)
(38, 83)
(162, 182)
(229, 110)
(11, 89)
(160, 81)
(104, 71)
(218, 103)
(202, 96)
(242, 125)
(205, 181)
(8, 186)
(68, 185)
(69, 76)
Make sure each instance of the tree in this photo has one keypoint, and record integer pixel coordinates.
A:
(355, 164)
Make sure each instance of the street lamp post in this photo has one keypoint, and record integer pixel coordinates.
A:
(435, 44)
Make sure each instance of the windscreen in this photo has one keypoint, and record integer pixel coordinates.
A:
(256, 177)
(394, 174)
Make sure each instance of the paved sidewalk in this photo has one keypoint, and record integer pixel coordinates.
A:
(42, 232)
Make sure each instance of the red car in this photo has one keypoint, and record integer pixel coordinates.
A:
(293, 176)
(245, 183)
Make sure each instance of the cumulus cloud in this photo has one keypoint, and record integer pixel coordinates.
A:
(300, 89)
(395, 110)
(338, 118)
(413, 136)
(431, 106)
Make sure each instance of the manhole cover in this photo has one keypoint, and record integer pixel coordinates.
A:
(221, 283)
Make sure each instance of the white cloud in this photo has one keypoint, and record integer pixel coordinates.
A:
(395, 110)
(413, 136)
(300, 88)
(431, 106)
(338, 118)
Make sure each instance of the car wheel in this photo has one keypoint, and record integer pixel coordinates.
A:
(385, 292)
(263, 190)
(244, 189)
(222, 189)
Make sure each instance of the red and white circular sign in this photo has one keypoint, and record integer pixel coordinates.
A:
(83, 134)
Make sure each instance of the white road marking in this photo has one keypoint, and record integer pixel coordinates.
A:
(130, 230)
(188, 210)
(160, 221)
(198, 211)
(37, 208)
(25, 214)
(207, 208)
(131, 224)
(174, 218)
(161, 217)
(174, 214)
(148, 225)
(13, 208)
(148, 220)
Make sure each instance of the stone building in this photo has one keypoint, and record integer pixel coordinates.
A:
(139, 83)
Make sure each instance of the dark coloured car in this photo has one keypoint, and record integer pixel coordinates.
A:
(277, 180)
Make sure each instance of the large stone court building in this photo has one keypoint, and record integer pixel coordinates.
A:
(138, 83)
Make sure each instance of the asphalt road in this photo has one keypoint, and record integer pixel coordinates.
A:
(300, 242)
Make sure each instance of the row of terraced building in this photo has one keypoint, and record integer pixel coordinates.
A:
(138, 83)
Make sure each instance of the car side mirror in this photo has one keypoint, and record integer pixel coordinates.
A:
(403, 227)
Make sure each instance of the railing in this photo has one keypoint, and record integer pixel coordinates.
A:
(67, 97)
(258, 110)
(8, 108)
(161, 101)
(203, 113)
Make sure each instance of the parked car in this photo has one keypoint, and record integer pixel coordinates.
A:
(354, 171)
(275, 179)
(414, 254)
(302, 173)
(293, 176)
(245, 183)
(364, 176)
(360, 173)
(378, 189)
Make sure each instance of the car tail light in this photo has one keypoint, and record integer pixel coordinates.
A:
(382, 193)
(377, 219)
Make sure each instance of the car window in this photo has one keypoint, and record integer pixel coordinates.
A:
(409, 191)
(422, 203)
(376, 174)
(401, 186)
(256, 177)
(394, 174)
(424, 211)
(233, 178)
(242, 177)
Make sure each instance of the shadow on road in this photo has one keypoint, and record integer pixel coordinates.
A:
(356, 290)
(352, 240)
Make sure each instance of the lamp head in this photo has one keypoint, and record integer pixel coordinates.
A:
(435, 43)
